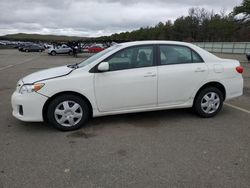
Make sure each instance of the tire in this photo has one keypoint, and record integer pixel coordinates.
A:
(208, 102)
(26, 50)
(70, 53)
(53, 53)
(68, 112)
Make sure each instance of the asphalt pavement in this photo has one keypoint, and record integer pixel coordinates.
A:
(171, 148)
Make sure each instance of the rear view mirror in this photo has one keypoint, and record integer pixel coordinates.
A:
(103, 67)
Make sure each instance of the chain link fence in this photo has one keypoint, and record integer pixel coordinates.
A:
(225, 47)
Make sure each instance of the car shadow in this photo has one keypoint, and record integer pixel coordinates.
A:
(36, 126)
(142, 119)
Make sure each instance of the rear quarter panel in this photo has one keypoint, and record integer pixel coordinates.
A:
(224, 72)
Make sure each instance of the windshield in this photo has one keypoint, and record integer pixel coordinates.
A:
(97, 56)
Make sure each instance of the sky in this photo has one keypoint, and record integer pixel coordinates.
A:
(94, 18)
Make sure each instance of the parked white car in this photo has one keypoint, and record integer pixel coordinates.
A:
(64, 49)
(126, 78)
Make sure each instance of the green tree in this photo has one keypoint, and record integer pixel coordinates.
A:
(243, 8)
(199, 25)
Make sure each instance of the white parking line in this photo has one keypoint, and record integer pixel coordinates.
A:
(26, 61)
(6, 67)
(238, 108)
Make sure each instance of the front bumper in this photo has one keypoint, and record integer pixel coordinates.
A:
(28, 107)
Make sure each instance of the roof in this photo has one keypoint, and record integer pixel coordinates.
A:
(155, 42)
(207, 56)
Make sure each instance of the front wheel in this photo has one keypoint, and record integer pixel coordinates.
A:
(68, 112)
(208, 102)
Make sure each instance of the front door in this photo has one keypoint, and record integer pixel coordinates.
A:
(131, 81)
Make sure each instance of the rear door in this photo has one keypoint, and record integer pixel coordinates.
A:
(180, 72)
(65, 49)
(62, 49)
(59, 49)
(36, 48)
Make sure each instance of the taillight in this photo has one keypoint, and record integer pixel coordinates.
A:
(240, 69)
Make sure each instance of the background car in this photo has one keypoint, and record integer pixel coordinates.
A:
(95, 49)
(248, 56)
(23, 45)
(85, 48)
(33, 48)
(64, 49)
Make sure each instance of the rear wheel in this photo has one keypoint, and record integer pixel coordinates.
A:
(208, 102)
(68, 112)
(70, 53)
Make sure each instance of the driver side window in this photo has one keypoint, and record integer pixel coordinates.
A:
(134, 57)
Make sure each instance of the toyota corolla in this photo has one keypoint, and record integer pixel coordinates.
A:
(126, 78)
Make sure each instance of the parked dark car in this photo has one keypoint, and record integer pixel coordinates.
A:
(17, 46)
(23, 45)
(248, 56)
(33, 48)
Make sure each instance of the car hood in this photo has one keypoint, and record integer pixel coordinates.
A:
(47, 74)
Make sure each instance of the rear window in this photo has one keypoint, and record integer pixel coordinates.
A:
(174, 54)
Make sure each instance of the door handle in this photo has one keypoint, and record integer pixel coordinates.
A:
(149, 74)
(200, 70)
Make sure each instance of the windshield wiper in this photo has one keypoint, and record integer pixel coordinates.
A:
(73, 66)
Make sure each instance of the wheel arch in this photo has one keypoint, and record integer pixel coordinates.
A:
(215, 84)
(46, 105)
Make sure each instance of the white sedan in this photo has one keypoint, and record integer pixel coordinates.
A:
(126, 78)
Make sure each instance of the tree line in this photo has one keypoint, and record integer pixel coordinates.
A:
(199, 25)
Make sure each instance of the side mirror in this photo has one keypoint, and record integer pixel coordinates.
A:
(103, 67)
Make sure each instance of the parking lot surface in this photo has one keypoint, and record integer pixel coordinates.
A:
(172, 148)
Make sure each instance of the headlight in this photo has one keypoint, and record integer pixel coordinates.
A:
(30, 88)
